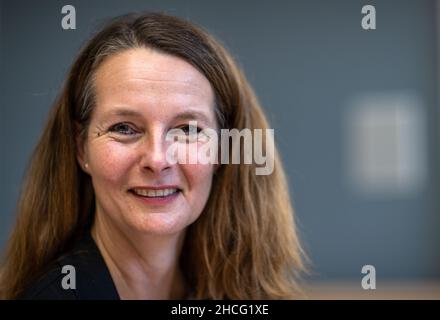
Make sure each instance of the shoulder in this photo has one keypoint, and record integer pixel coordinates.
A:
(79, 274)
(49, 286)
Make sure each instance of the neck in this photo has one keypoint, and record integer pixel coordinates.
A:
(142, 266)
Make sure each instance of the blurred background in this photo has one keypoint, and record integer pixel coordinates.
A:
(355, 112)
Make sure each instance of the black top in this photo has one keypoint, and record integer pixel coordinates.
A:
(93, 279)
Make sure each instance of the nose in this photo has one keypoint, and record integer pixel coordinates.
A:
(154, 152)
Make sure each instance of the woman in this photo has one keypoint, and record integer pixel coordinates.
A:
(101, 197)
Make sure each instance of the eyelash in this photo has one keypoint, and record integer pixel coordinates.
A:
(186, 129)
(114, 128)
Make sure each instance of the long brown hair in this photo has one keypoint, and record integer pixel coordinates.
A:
(243, 246)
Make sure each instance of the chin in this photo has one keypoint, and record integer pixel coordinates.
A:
(161, 225)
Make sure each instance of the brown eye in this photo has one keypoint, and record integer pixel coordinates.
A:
(190, 129)
(193, 133)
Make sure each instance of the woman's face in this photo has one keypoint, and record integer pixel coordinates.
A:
(141, 94)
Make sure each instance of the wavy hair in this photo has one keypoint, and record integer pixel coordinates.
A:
(244, 245)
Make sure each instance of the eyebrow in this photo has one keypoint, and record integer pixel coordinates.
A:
(185, 115)
(124, 112)
(190, 115)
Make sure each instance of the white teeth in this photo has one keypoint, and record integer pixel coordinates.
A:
(151, 193)
(154, 193)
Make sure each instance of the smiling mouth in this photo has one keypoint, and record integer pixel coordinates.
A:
(155, 193)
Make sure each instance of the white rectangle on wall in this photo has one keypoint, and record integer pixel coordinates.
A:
(386, 144)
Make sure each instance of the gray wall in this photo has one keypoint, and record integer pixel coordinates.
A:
(306, 60)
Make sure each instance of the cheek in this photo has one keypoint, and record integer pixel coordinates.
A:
(110, 161)
(199, 179)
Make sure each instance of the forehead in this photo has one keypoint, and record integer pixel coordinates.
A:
(151, 80)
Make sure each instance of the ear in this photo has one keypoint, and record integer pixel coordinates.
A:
(81, 155)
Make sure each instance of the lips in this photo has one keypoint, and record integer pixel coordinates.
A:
(156, 196)
(154, 193)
